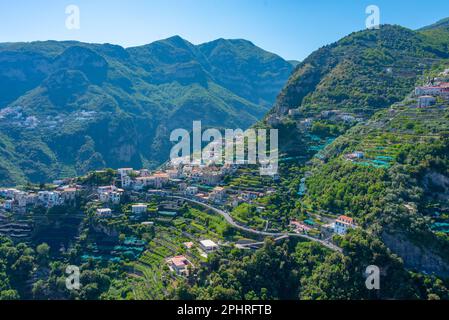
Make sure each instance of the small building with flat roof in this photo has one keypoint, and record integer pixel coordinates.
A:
(104, 212)
(208, 245)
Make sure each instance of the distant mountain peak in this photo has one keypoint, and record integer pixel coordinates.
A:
(100, 105)
(177, 40)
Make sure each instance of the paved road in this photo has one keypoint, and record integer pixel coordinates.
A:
(231, 221)
(252, 244)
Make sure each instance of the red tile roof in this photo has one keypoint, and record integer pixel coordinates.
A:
(346, 219)
(180, 261)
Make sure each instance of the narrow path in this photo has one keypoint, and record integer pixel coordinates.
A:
(231, 221)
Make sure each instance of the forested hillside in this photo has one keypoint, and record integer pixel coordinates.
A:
(355, 143)
(70, 107)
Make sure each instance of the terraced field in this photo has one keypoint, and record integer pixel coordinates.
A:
(247, 179)
(150, 274)
(382, 143)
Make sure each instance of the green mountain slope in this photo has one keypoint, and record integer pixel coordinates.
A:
(442, 24)
(398, 192)
(86, 106)
(355, 96)
(358, 75)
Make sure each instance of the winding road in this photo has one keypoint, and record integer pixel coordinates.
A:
(231, 221)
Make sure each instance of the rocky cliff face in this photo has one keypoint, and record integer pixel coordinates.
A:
(416, 258)
(436, 185)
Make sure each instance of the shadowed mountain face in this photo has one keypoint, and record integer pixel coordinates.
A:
(69, 107)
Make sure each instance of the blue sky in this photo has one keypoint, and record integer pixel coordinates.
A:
(290, 28)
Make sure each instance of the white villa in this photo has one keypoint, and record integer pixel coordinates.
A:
(342, 224)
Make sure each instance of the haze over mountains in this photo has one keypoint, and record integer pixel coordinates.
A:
(69, 107)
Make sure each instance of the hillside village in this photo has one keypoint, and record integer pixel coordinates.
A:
(164, 193)
(152, 194)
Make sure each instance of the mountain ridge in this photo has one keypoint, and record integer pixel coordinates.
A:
(110, 106)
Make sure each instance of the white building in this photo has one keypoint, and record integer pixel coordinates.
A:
(342, 224)
(8, 193)
(347, 118)
(110, 194)
(144, 173)
(307, 123)
(191, 191)
(126, 181)
(218, 194)
(441, 89)
(250, 195)
(49, 198)
(21, 199)
(161, 179)
(68, 194)
(173, 174)
(106, 189)
(236, 202)
(211, 177)
(208, 245)
(293, 112)
(142, 182)
(355, 155)
(139, 208)
(32, 199)
(115, 197)
(104, 212)
(125, 171)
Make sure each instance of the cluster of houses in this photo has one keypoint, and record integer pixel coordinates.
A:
(136, 209)
(249, 197)
(110, 194)
(185, 178)
(428, 93)
(330, 115)
(221, 196)
(217, 195)
(181, 265)
(15, 199)
(339, 116)
(139, 179)
(299, 227)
